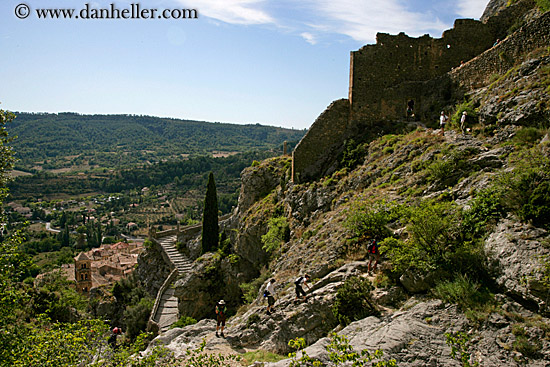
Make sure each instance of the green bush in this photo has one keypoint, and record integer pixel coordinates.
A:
(485, 210)
(340, 352)
(369, 220)
(352, 154)
(528, 136)
(278, 233)
(353, 301)
(457, 115)
(184, 321)
(250, 290)
(451, 167)
(527, 188)
(137, 316)
(544, 5)
(529, 349)
(465, 293)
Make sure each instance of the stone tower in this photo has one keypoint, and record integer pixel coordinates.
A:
(83, 273)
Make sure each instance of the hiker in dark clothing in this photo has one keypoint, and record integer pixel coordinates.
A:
(221, 310)
(374, 254)
(299, 290)
(112, 338)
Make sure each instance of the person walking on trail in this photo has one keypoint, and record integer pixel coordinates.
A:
(443, 118)
(270, 294)
(374, 254)
(221, 310)
(302, 280)
(463, 121)
(114, 334)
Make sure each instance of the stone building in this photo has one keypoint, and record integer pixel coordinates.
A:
(105, 265)
(83, 273)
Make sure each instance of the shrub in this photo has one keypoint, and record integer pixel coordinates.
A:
(137, 316)
(277, 234)
(250, 290)
(527, 188)
(184, 321)
(462, 291)
(340, 352)
(451, 168)
(485, 210)
(352, 153)
(528, 136)
(353, 301)
(459, 109)
(369, 220)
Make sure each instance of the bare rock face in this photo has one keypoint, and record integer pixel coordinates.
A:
(516, 254)
(493, 8)
(260, 180)
(210, 280)
(519, 98)
(152, 270)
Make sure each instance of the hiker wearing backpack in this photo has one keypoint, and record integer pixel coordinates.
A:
(374, 254)
(302, 280)
(270, 294)
(220, 313)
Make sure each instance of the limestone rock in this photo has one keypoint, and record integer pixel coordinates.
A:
(516, 254)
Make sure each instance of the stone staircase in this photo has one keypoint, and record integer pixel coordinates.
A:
(181, 263)
(165, 311)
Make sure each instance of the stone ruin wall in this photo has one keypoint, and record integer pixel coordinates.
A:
(323, 139)
(398, 68)
(384, 76)
(482, 70)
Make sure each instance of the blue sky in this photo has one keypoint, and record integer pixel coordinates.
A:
(273, 62)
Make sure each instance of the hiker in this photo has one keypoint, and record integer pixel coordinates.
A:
(270, 294)
(443, 118)
(374, 254)
(114, 334)
(463, 122)
(221, 310)
(299, 290)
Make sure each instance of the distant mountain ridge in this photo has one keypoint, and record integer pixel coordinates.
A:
(45, 136)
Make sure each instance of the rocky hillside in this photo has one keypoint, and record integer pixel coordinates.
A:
(462, 216)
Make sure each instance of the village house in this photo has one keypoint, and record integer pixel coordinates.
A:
(103, 266)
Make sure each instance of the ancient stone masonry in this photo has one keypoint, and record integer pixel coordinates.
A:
(385, 76)
(509, 52)
(324, 136)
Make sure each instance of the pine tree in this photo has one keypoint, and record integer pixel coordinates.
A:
(210, 228)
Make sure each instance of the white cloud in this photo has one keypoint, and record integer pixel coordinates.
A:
(233, 11)
(471, 8)
(310, 38)
(361, 20)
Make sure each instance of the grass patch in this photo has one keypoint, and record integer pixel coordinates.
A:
(249, 358)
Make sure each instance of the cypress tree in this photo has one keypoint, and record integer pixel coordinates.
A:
(210, 228)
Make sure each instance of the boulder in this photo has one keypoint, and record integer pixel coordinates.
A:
(516, 256)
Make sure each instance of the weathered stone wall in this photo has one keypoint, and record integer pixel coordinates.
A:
(378, 70)
(481, 70)
(386, 75)
(323, 139)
